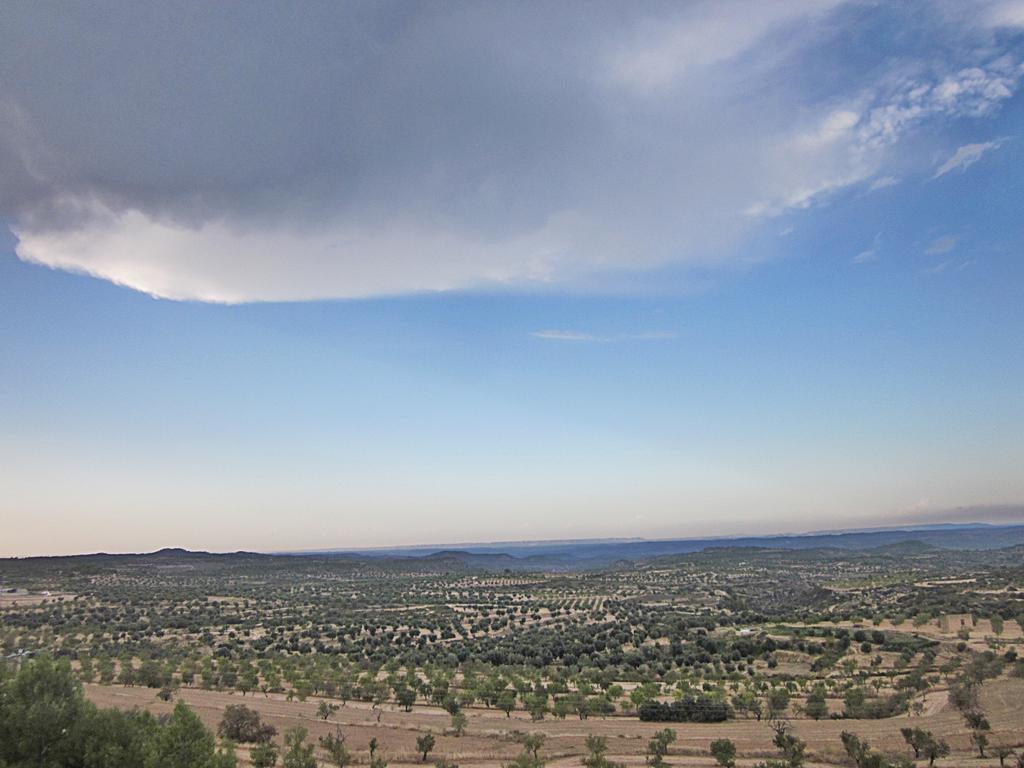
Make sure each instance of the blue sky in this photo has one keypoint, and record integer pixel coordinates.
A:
(811, 322)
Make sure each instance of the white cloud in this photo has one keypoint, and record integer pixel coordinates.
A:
(850, 144)
(1007, 14)
(883, 182)
(965, 157)
(179, 262)
(944, 244)
(565, 335)
(949, 265)
(869, 254)
(661, 53)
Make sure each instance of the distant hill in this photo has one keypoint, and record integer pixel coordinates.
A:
(911, 547)
(576, 555)
(587, 555)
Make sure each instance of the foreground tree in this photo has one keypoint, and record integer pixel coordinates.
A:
(263, 756)
(39, 709)
(298, 754)
(110, 738)
(45, 722)
(186, 743)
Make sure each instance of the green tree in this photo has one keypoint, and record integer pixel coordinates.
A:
(746, 702)
(406, 697)
(263, 756)
(507, 702)
(561, 707)
(657, 748)
(39, 709)
(816, 707)
(1003, 751)
(532, 742)
(424, 744)
(979, 726)
(110, 738)
(980, 740)
(859, 751)
(791, 747)
(915, 738)
(924, 743)
(326, 709)
(334, 745)
(537, 705)
(225, 756)
(184, 742)
(597, 746)
(933, 749)
(459, 721)
(777, 702)
(242, 724)
(530, 756)
(724, 752)
(644, 693)
(298, 754)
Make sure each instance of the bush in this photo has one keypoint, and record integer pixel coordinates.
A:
(244, 725)
(724, 752)
(689, 709)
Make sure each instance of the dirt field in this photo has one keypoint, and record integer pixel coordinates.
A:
(490, 738)
(9, 600)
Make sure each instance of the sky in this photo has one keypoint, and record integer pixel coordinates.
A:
(374, 274)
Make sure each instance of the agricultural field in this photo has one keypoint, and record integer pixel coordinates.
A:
(766, 648)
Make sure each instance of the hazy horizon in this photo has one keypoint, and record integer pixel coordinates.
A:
(995, 516)
(384, 274)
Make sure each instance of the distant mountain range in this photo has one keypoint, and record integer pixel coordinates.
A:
(574, 555)
(588, 554)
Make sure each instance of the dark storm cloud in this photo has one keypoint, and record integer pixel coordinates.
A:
(234, 152)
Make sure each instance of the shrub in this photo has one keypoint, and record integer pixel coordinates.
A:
(242, 724)
(689, 709)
